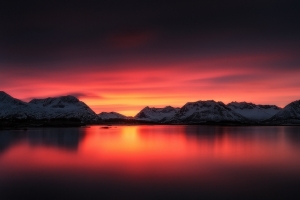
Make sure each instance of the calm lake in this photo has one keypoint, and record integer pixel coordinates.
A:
(150, 162)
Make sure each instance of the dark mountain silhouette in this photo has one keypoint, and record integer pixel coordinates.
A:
(70, 110)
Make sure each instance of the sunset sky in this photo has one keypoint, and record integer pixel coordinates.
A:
(124, 55)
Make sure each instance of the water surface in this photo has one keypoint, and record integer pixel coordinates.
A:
(151, 162)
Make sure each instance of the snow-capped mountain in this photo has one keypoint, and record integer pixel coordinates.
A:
(66, 107)
(60, 107)
(111, 115)
(289, 114)
(206, 111)
(156, 114)
(63, 107)
(13, 108)
(254, 112)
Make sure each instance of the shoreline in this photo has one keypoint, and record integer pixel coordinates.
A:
(25, 127)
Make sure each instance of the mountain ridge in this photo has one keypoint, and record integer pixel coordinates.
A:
(254, 112)
(48, 108)
(111, 115)
(156, 114)
(199, 112)
(290, 114)
(206, 111)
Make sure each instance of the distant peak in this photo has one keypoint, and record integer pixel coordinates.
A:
(240, 103)
(6, 98)
(247, 105)
(237, 102)
(148, 108)
(105, 113)
(2, 93)
(205, 102)
(111, 115)
(67, 99)
(294, 103)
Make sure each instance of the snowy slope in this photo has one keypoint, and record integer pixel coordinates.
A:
(63, 107)
(111, 115)
(254, 112)
(289, 114)
(193, 112)
(206, 111)
(156, 114)
(13, 108)
(60, 107)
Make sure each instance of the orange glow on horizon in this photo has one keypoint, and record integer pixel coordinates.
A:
(127, 86)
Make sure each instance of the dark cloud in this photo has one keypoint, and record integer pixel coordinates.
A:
(84, 95)
(75, 94)
(39, 32)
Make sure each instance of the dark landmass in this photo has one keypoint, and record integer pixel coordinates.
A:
(23, 124)
(68, 111)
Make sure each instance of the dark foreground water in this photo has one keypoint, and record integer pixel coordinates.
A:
(151, 162)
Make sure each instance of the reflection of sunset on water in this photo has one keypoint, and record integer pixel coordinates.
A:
(190, 155)
(163, 149)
